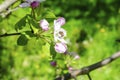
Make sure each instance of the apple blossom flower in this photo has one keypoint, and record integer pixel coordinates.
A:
(59, 35)
(58, 23)
(60, 47)
(44, 24)
(32, 3)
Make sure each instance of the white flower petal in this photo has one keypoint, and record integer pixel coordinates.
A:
(56, 26)
(62, 40)
(24, 5)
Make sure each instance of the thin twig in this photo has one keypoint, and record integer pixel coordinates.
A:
(89, 76)
(11, 34)
(88, 69)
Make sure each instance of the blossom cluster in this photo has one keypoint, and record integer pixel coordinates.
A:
(59, 33)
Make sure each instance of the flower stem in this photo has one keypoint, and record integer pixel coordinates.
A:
(33, 13)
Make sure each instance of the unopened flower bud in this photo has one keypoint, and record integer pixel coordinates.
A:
(60, 47)
(77, 57)
(53, 63)
(60, 21)
(70, 68)
(44, 25)
(34, 4)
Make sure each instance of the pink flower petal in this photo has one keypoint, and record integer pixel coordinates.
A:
(60, 47)
(44, 25)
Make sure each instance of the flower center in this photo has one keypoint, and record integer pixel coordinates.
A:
(61, 34)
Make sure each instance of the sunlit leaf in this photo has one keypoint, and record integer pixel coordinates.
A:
(33, 24)
(48, 14)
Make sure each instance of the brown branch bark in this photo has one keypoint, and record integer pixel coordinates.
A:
(86, 70)
(6, 4)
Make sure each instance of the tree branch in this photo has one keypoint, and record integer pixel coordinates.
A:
(88, 69)
(6, 4)
(11, 34)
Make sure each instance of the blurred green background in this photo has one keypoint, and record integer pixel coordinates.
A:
(93, 28)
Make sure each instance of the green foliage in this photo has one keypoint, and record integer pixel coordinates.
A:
(97, 10)
(24, 37)
(22, 40)
(92, 28)
(48, 14)
(21, 23)
(52, 50)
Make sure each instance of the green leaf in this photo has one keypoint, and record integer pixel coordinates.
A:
(22, 40)
(1, 19)
(24, 37)
(21, 23)
(34, 25)
(48, 14)
(29, 34)
(52, 50)
(112, 20)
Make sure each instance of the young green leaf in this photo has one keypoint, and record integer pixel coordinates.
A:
(22, 40)
(48, 14)
(21, 23)
(24, 37)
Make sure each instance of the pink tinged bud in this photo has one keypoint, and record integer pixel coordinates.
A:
(77, 57)
(74, 55)
(61, 21)
(53, 63)
(60, 47)
(70, 68)
(58, 23)
(44, 25)
(34, 4)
